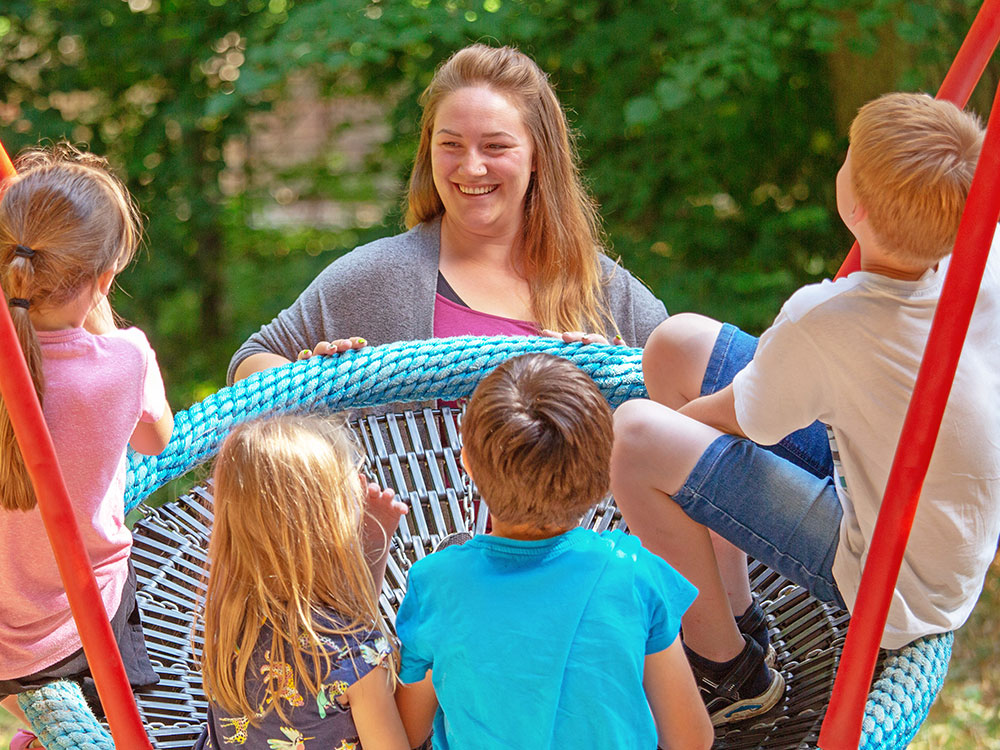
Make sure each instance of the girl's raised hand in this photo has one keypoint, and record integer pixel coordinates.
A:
(381, 519)
(333, 347)
(383, 509)
(571, 337)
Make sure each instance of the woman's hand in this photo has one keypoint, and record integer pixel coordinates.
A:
(573, 337)
(333, 347)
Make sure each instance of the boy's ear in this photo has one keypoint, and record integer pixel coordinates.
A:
(105, 280)
(858, 214)
(465, 465)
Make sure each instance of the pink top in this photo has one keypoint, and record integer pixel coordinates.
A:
(453, 319)
(97, 389)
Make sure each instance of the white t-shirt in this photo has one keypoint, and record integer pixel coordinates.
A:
(847, 353)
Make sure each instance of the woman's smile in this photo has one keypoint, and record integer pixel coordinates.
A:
(476, 189)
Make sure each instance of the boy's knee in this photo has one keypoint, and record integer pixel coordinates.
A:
(631, 421)
(676, 355)
(683, 331)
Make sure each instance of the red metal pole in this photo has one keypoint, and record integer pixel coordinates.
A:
(842, 727)
(959, 82)
(6, 168)
(56, 510)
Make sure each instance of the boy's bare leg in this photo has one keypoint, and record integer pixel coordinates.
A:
(733, 570)
(676, 356)
(674, 361)
(654, 452)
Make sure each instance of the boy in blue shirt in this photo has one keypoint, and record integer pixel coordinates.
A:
(542, 634)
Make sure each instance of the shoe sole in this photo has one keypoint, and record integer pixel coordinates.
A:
(750, 707)
(22, 739)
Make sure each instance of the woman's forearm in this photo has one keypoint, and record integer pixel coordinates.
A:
(256, 363)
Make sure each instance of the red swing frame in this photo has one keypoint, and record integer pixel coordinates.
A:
(842, 726)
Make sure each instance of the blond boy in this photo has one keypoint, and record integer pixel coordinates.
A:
(845, 353)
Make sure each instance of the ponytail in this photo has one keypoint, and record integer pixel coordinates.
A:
(64, 221)
(16, 492)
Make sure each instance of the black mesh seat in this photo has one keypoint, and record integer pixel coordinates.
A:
(417, 454)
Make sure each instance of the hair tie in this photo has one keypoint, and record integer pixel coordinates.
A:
(19, 302)
(23, 251)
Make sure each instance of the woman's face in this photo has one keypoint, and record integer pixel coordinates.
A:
(482, 160)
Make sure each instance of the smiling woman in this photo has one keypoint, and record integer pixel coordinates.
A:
(503, 238)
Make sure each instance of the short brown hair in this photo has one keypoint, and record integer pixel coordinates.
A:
(537, 436)
(912, 159)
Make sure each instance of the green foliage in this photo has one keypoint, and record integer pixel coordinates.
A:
(710, 133)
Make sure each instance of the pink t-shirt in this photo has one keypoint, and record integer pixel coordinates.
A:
(453, 319)
(97, 389)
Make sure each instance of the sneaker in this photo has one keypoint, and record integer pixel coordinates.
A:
(749, 688)
(753, 623)
(23, 740)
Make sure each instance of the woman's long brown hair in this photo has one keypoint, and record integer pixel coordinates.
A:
(561, 243)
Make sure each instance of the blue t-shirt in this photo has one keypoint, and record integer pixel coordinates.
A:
(540, 644)
(314, 720)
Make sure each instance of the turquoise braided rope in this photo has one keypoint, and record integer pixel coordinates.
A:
(61, 719)
(902, 695)
(403, 372)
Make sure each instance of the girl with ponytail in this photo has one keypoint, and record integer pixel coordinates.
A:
(67, 227)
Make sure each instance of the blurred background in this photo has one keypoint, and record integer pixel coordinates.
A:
(263, 138)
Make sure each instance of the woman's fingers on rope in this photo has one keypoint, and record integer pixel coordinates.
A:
(333, 347)
(579, 337)
(342, 345)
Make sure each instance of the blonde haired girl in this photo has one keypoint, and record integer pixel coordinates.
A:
(67, 228)
(292, 657)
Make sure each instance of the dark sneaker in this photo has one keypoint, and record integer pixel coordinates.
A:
(748, 688)
(753, 623)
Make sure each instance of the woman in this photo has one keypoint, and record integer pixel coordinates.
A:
(503, 238)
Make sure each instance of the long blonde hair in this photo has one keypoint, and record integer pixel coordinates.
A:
(65, 219)
(286, 545)
(561, 243)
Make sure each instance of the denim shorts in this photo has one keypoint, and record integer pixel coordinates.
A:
(777, 503)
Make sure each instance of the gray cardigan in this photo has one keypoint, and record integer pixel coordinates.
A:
(385, 291)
